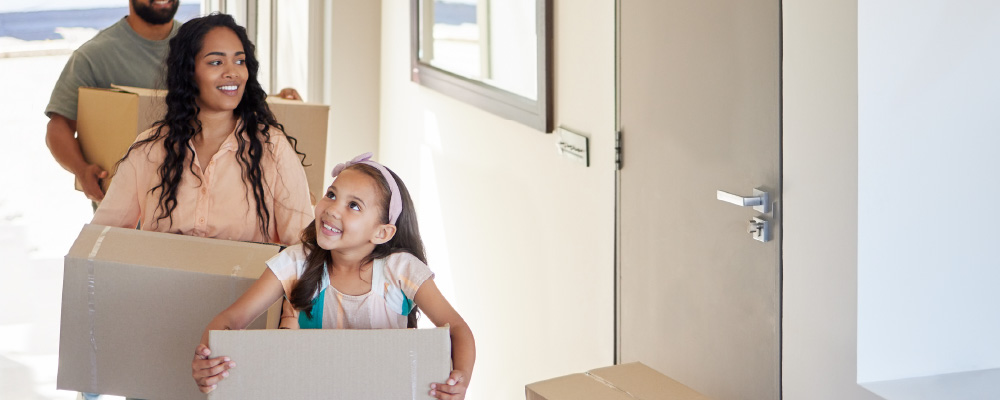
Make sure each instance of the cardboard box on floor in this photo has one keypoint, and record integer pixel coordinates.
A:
(632, 381)
(135, 304)
(332, 363)
(108, 120)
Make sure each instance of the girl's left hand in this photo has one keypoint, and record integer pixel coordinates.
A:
(454, 389)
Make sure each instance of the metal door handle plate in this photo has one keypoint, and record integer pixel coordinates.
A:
(759, 229)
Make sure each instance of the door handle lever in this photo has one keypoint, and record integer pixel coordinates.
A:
(760, 200)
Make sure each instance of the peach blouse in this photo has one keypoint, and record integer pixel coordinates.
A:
(220, 205)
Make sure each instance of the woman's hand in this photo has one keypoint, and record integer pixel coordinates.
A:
(454, 389)
(207, 372)
(290, 94)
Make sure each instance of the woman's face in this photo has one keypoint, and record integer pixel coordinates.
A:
(220, 71)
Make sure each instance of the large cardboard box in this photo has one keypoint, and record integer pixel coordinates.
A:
(108, 120)
(633, 381)
(135, 304)
(332, 363)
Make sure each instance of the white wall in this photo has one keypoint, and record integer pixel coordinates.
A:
(928, 159)
(522, 241)
(820, 133)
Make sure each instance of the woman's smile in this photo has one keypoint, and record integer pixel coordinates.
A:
(230, 90)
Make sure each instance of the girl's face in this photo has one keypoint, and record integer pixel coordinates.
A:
(220, 71)
(349, 216)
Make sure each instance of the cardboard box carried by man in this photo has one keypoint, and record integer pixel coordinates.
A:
(108, 121)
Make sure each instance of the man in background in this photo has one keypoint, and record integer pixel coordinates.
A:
(129, 53)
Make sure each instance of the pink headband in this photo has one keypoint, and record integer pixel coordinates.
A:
(395, 202)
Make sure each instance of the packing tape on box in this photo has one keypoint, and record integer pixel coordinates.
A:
(611, 385)
(92, 305)
(413, 374)
(234, 280)
(97, 243)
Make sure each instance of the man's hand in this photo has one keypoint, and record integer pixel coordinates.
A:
(60, 136)
(90, 181)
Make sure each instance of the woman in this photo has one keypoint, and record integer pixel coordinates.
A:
(218, 164)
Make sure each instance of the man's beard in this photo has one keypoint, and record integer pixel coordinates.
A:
(155, 17)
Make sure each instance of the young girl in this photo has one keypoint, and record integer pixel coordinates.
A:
(218, 164)
(360, 265)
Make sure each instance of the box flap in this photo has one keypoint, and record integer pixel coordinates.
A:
(276, 100)
(645, 383)
(332, 363)
(632, 381)
(173, 251)
(573, 387)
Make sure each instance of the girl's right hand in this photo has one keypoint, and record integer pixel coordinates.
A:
(207, 372)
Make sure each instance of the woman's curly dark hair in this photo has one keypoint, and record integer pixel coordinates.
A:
(182, 124)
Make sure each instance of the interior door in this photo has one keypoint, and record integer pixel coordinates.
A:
(699, 110)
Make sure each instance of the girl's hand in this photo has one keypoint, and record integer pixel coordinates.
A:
(454, 389)
(207, 372)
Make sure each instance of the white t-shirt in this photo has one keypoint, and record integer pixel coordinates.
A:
(395, 280)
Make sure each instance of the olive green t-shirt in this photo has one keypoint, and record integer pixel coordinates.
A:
(116, 55)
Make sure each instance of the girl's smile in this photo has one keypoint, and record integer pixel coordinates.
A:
(330, 230)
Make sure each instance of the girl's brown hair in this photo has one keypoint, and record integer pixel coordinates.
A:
(407, 239)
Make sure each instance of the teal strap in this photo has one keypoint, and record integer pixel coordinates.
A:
(407, 304)
(316, 322)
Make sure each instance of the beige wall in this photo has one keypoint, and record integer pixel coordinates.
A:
(820, 167)
(522, 241)
(351, 67)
